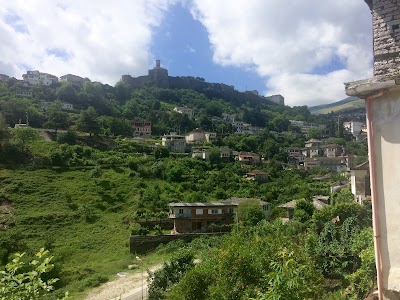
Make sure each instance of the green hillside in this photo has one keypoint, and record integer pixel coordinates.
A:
(82, 191)
(343, 105)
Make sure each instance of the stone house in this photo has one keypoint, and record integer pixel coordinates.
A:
(360, 182)
(210, 136)
(226, 153)
(185, 110)
(203, 154)
(141, 128)
(315, 151)
(327, 163)
(73, 78)
(332, 150)
(257, 175)
(248, 158)
(313, 143)
(36, 77)
(174, 142)
(196, 137)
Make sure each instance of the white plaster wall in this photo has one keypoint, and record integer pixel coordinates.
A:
(385, 117)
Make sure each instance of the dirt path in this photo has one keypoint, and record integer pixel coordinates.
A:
(125, 287)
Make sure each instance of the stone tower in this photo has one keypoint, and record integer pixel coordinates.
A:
(159, 75)
(386, 29)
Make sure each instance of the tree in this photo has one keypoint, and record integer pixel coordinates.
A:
(161, 152)
(23, 135)
(4, 131)
(250, 212)
(17, 282)
(303, 210)
(314, 133)
(171, 272)
(88, 121)
(57, 117)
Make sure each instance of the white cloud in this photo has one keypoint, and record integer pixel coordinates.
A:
(289, 43)
(98, 39)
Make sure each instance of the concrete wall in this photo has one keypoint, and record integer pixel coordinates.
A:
(385, 116)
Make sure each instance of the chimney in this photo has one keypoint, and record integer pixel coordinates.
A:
(157, 63)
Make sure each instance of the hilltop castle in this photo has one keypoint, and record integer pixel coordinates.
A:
(158, 76)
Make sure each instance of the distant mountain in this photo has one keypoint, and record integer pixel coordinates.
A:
(349, 103)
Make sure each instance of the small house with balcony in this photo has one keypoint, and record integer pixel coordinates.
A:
(202, 217)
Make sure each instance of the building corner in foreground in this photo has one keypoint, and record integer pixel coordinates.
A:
(382, 95)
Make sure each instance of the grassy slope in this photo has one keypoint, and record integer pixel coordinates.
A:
(337, 106)
(48, 208)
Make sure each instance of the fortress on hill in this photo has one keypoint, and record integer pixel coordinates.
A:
(158, 77)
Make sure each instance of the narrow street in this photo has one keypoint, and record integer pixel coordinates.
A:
(127, 286)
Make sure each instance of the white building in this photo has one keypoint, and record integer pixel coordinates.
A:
(354, 128)
(36, 77)
(196, 137)
(238, 127)
(210, 136)
(185, 110)
(204, 154)
(174, 142)
(73, 78)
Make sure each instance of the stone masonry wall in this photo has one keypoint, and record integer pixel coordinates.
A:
(386, 27)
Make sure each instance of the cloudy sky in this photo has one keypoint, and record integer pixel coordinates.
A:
(302, 49)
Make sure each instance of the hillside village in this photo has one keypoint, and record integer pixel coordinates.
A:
(176, 158)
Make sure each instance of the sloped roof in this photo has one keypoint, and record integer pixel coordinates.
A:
(318, 205)
(290, 204)
(313, 141)
(257, 172)
(200, 204)
(363, 166)
(236, 200)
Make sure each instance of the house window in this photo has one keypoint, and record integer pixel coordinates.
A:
(199, 211)
(215, 211)
(180, 211)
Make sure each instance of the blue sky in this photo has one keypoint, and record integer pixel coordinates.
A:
(182, 45)
(304, 50)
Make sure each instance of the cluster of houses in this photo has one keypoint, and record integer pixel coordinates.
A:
(320, 154)
(40, 78)
(202, 217)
